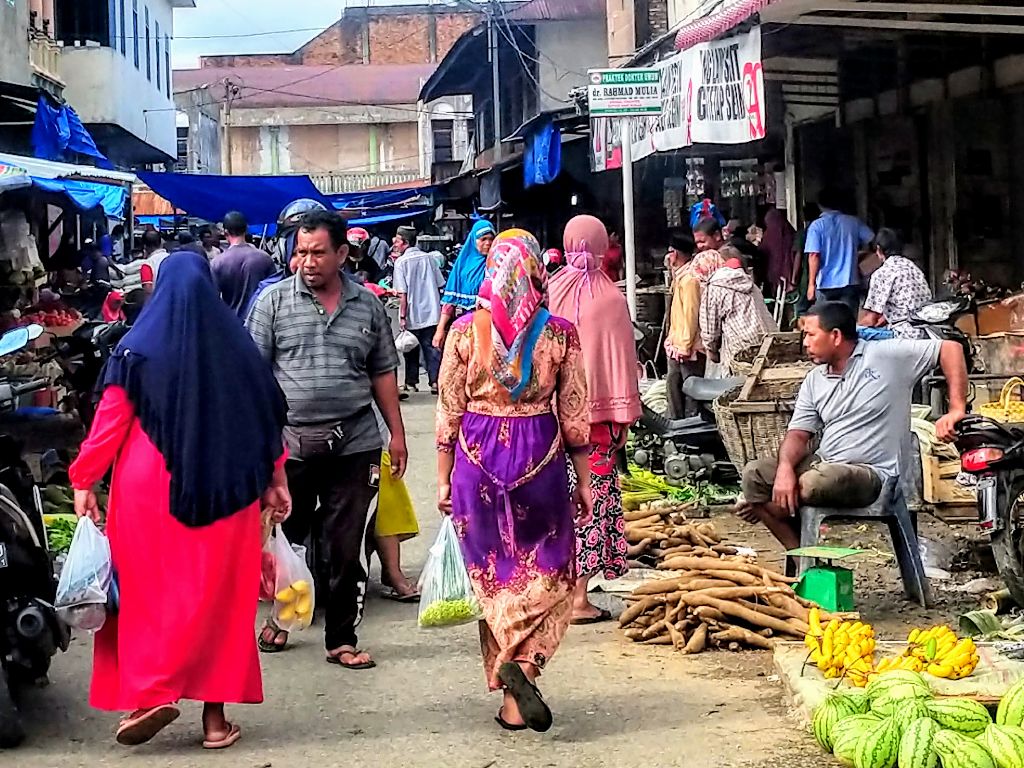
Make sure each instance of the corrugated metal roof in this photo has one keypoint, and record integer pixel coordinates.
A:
(311, 85)
(716, 24)
(559, 10)
(48, 169)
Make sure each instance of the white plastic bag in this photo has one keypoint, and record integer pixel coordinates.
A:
(446, 593)
(85, 579)
(294, 596)
(406, 342)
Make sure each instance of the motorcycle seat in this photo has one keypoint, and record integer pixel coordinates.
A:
(708, 390)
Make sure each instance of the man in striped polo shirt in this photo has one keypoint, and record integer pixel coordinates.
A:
(329, 342)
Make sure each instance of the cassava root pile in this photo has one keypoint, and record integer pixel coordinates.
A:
(719, 600)
(660, 530)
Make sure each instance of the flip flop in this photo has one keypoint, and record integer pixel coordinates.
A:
(535, 712)
(271, 647)
(354, 652)
(507, 725)
(390, 593)
(138, 730)
(232, 737)
(601, 616)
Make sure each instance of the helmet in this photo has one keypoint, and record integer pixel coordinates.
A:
(296, 209)
(357, 236)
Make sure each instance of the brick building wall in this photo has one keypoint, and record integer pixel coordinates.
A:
(417, 38)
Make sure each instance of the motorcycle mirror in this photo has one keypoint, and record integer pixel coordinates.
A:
(14, 340)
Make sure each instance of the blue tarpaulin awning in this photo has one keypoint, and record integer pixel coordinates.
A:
(259, 198)
(380, 218)
(378, 199)
(86, 195)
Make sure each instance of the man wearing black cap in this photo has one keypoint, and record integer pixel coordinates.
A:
(418, 282)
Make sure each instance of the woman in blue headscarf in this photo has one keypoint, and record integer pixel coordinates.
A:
(467, 275)
(190, 419)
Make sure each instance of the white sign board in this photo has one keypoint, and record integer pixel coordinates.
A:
(624, 92)
(712, 93)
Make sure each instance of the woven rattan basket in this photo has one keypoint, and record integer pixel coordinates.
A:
(787, 349)
(751, 430)
(1005, 409)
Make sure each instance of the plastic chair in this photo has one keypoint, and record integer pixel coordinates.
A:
(890, 508)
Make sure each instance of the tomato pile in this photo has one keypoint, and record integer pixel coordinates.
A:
(53, 318)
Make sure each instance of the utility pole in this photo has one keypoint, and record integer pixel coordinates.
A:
(225, 123)
(492, 47)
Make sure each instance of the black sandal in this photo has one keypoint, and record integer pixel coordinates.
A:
(535, 712)
(506, 725)
(272, 646)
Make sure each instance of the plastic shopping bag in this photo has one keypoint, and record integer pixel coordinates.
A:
(446, 593)
(406, 342)
(84, 585)
(294, 597)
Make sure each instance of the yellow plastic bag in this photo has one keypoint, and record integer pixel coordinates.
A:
(396, 515)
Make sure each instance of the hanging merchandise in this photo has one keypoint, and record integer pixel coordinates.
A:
(695, 176)
(542, 155)
(674, 200)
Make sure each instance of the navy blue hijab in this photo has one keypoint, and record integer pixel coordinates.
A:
(202, 392)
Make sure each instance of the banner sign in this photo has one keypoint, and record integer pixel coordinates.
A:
(623, 92)
(712, 93)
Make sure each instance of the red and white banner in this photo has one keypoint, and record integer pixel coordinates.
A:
(712, 93)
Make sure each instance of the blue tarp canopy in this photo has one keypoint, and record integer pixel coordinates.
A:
(377, 199)
(86, 195)
(260, 198)
(379, 218)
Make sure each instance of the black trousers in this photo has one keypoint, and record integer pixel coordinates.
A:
(679, 405)
(431, 357)
(341, 485)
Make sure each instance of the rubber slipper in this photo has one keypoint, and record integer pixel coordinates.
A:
(507, 725)
(390, 593)
(362, 665)
(234, 734)
(601, 616)
(535, 712)
(138, 730)
(271, 647)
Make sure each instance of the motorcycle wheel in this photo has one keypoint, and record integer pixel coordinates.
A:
(1008, 546)
(12, 730)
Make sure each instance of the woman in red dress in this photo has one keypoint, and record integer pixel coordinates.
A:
(190, 420)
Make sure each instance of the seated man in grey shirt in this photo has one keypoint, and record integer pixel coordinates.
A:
(858, 398)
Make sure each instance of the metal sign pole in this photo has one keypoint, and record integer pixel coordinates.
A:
(629, 229)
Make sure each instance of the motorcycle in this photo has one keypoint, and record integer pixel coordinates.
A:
(30, 631)
(686, 450)
(938, 321)
(994, 454)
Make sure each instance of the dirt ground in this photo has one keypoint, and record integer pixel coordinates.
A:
(615, 703)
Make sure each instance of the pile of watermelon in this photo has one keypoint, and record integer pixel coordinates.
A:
(895, 721)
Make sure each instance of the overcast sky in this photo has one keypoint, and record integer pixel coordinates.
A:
(247, 17)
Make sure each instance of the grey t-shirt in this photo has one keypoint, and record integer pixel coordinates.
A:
(864, 414)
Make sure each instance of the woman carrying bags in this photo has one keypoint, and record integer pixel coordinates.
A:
(513, 404)
(585, 296)
(190, 420)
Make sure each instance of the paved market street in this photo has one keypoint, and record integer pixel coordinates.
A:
(615, 704)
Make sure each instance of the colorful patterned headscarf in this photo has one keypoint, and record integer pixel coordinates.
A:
(513, 234)
(513, 299)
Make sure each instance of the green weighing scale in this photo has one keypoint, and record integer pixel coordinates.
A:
(823, 583)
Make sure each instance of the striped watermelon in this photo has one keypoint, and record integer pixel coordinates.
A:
(889, 700)
(916, 747)
(1006, 743)
(1011, 706)
(878, 746)
(961, 715)
(908, 712)
(895, 677)
(846, 733)
(832, 710)
(957, 751)
(858, 700)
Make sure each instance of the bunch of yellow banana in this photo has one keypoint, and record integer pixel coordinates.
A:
(841, 648)
(941, 653)
(909, 663)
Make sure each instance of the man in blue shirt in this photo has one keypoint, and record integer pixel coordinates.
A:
(832, 244)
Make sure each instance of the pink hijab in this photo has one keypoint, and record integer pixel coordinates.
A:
(584, 295)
